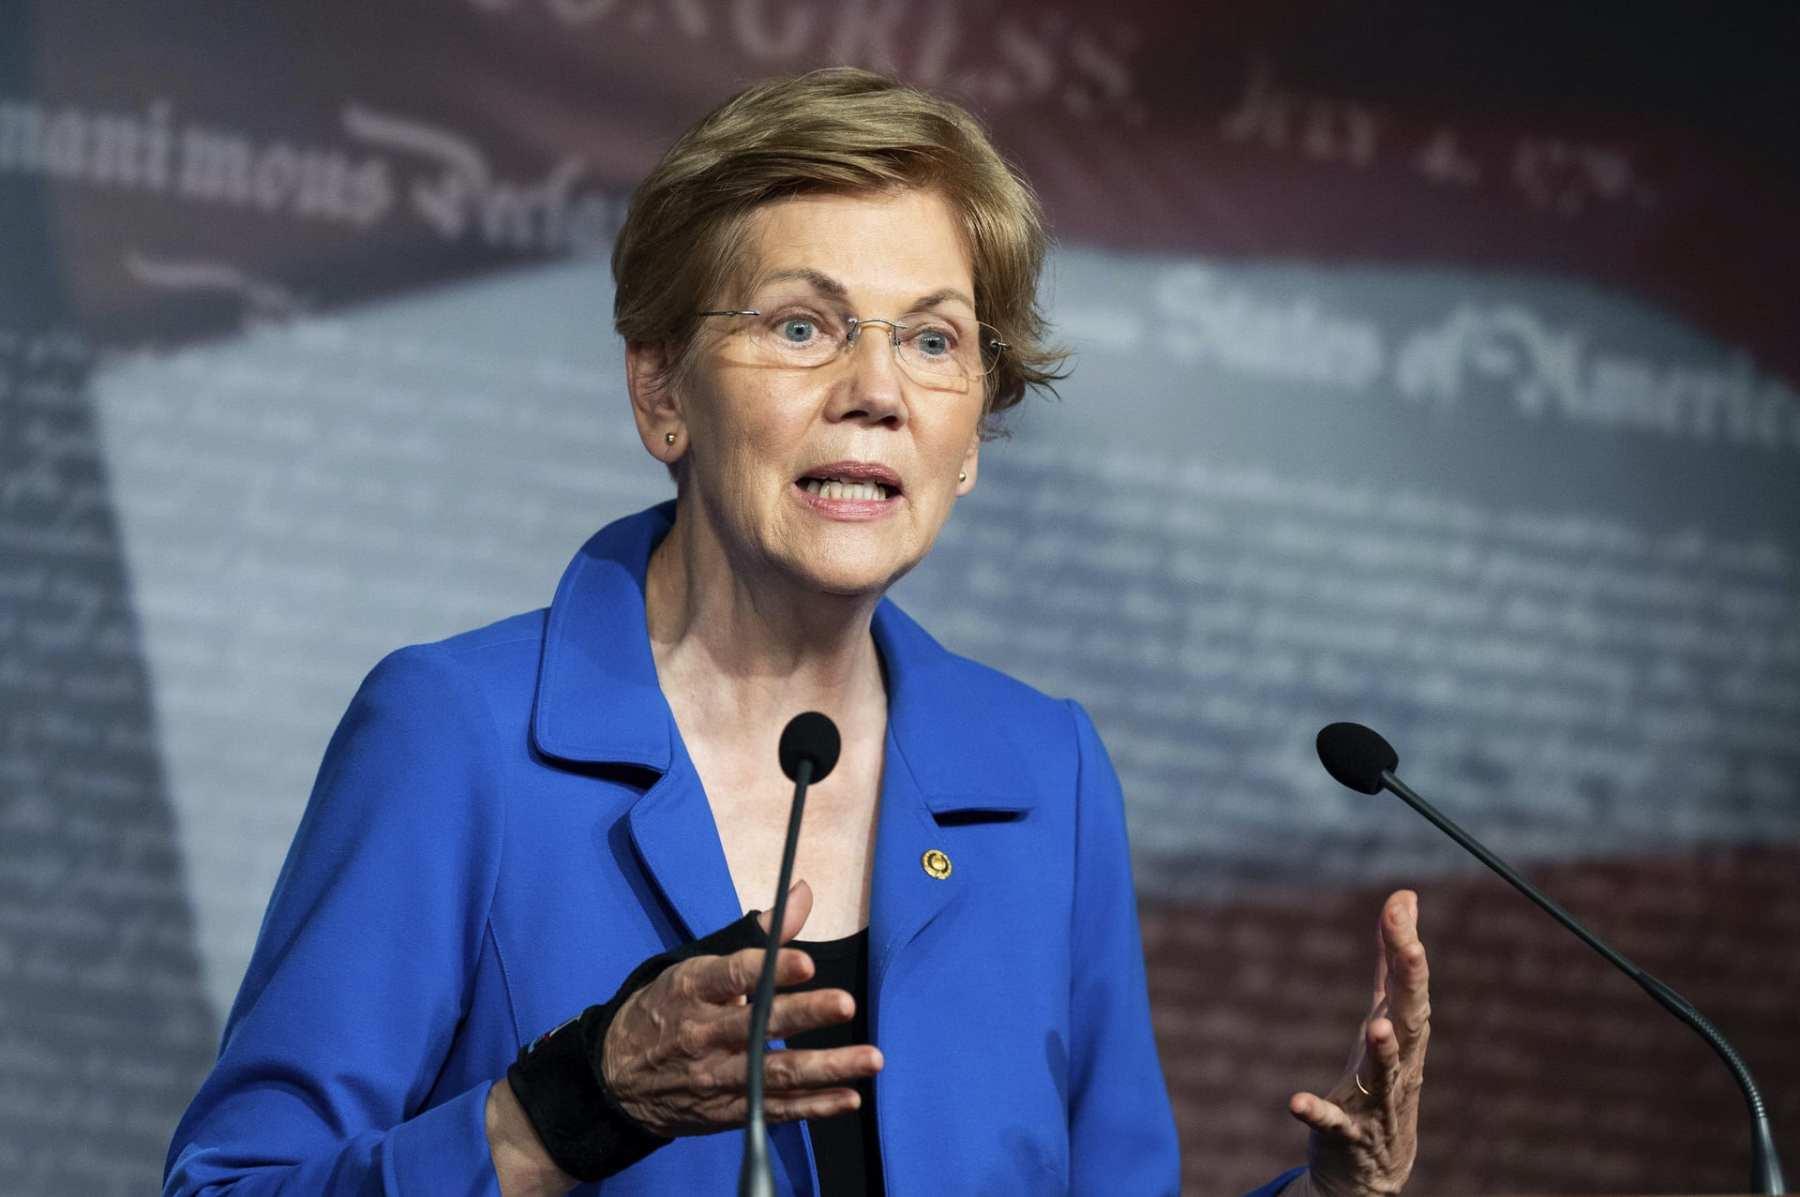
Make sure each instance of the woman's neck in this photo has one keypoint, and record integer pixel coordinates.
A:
(738, 650)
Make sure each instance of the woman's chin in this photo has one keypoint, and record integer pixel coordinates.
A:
(850, 575)
(844, 584)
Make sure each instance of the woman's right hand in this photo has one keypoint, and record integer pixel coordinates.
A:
(676, 1056)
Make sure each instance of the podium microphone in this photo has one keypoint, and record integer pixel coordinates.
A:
(1362, 760)
(809, 751)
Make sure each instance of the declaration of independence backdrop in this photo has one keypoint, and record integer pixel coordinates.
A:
(1436, 369)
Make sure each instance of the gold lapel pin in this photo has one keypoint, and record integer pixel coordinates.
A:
(936, 864)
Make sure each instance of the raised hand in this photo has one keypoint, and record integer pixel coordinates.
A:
(677, 1052)
(1365, 1131)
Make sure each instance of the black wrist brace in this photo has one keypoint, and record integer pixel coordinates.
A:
(560, 1081)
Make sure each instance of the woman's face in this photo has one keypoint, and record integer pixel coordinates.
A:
(763, 437)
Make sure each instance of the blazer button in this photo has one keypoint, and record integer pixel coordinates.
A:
(936, 864)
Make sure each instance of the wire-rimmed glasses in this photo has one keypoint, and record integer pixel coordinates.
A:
(942, 352)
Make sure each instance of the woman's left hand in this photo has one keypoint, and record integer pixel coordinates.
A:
(1365, 1131)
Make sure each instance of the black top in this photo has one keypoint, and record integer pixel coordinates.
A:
(846, 1148)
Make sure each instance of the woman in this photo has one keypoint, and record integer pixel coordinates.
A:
(827, 292)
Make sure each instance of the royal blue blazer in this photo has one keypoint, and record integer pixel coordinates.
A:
(506, 823)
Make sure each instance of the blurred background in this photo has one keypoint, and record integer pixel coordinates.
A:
(1436, 368)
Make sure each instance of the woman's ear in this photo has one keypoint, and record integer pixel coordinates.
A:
(654, 403)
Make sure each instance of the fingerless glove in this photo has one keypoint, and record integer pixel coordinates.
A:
(560, 1080)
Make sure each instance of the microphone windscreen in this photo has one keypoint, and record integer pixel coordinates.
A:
(1356, 756)
(809, 736)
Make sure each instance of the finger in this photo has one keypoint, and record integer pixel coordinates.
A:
(724, 979)
(791, 1072)
(1409, 973)
(1399, 924)
(824, 1103)
(1384, 1055)
(799, 906)
(796, 1013)
(787, 1073)
(733, 1110)
(1392, 913)
(792, 1014)
(1378, 999)
(1411, 1010)
(1326, 1117)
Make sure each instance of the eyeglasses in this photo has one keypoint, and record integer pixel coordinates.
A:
(934, 351)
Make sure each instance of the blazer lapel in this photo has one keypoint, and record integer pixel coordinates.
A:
(599, 702)
(676, 839)
(904, 898)
(942, 758)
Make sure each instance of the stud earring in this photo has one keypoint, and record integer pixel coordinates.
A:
(668, 438)
(962, 476)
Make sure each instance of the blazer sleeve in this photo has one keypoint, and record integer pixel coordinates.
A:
(363, 966)
(1121, 1128)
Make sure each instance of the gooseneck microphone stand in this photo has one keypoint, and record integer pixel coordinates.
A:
(1359, 758)
(809, 751)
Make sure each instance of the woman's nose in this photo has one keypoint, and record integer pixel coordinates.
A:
(874, 388)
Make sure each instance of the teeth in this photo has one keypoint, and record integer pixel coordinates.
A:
(837, 488)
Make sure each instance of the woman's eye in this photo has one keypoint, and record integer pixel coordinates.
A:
(798, 330)
(933, 342)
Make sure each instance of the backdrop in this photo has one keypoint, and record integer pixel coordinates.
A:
(1435, 369)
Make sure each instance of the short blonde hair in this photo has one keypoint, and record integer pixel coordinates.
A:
(838, 129)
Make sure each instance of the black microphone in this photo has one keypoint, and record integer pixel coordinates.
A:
(1362, 760)
(809, 751)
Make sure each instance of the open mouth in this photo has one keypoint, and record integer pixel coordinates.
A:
(832, 487)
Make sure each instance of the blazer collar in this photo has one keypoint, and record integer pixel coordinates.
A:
(598, 699)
